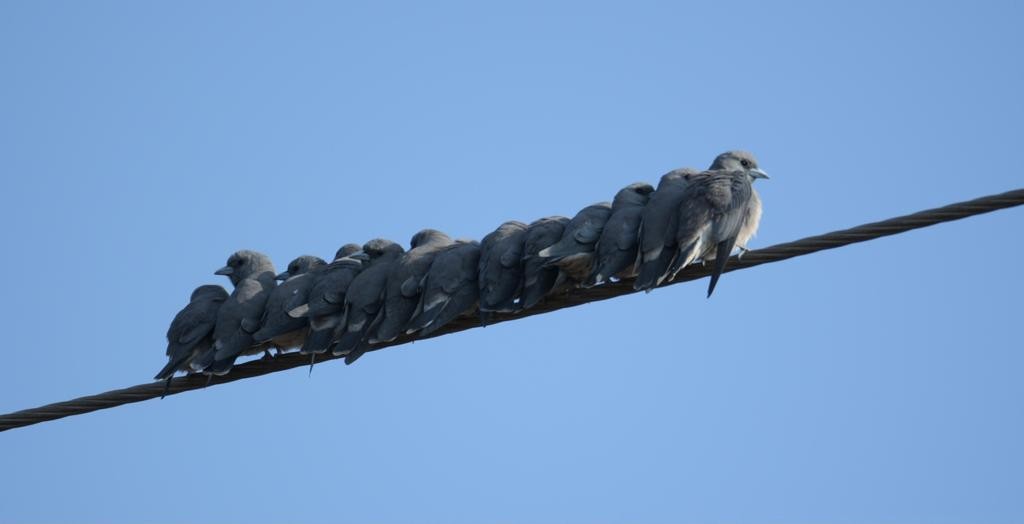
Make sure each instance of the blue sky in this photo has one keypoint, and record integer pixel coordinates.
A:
(142, 143)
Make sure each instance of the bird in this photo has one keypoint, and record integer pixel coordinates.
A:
(615, 253)
(449, 289)
(500, 276)
(364, 298)
(322, 297)
(656, 239)
(191, 331)
(252, 274)
(402, 292)
(278, 327)
(538, 279)
(574, 252)
(718, 207)
(325, 302)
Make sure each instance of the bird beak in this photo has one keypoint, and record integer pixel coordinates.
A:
(226, 270)
(757, 173)
(282, 276)
(360, 255)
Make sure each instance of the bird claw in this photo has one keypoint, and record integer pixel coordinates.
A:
(267, 355)
(742, 251)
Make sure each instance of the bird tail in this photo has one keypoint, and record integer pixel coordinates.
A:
(652, 272)
(356, 352)
(173, 364)
(203, 360)
(221, 367)
(263, 335)
(535, 292)
(685, 257)
(425, 318)
(348, 341)
(388, 329)
(464, 302)
(317, 341)
(721, 257)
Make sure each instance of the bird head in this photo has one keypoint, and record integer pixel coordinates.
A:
(300, 265)
(346, 250)
(635, 193)
(244, 264)
(429, 236)
(376, 249)
(738, 161)
(210, 291)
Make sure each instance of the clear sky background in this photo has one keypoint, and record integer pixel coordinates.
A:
(142, 142)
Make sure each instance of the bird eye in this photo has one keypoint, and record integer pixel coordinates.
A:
(745, 163)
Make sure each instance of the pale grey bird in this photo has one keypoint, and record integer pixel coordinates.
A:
(539, 279)
(364, 298)
(191, 331)
(405, 281)
(239, 317)
(281, 330)
(656, 240)
(500, 276)
(615, 254)
(449, 288)
(716, 209)
(574, 252)
(325, 303)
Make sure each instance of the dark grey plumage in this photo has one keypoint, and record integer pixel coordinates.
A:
(538, 278)
(402, 292)
(277, 327)
(325, 302)
(615, 254)
(656, 240)
(449, 288)
(364, 298)
(574, 252)
(239, 317)
(500, 276)
(347, 250)
(715, 209)
(191, 331)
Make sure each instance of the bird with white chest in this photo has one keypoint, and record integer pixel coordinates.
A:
(719, 211)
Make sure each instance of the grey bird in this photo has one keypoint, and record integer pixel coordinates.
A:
(347, 250)
(364, 298)
(539, 279)
(717, 208)
(325, 302)
(277, 327)
(574, 252)
(239, 317)
(191, 331)
(656, 240)
(500, 268)
(449, 288)
(615, 254)
(323, 297)
(402, 292)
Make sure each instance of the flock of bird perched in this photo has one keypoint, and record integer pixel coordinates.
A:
(376, 292)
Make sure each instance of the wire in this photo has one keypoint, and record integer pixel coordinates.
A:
(573, 298)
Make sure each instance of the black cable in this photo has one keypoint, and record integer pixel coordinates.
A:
(576, 297)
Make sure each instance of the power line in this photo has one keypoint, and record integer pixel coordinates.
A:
(573, 298)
